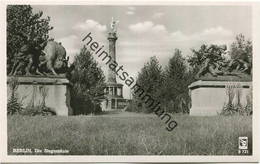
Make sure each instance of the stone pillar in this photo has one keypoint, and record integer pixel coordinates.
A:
(112, 52)
(118, 91)
(121, 92)
(109, 104)
(115, 103)
(110, 90)
(115, 89)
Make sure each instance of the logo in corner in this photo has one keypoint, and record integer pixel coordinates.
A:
(243, 145)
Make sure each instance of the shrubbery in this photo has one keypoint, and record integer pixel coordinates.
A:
(38, 110)
(234, 106)
(13, 106)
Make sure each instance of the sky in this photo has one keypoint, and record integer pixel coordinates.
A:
(146, 31)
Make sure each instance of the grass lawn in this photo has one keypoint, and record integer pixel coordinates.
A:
(129, 134)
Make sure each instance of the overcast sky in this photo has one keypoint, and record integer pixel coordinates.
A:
(145, 31)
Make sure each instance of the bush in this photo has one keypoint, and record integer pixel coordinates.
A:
(137, 106)
(234, 90)
(38, 110)
(83, 105)
(13, 106)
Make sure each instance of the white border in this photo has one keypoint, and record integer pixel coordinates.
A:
(256, 81)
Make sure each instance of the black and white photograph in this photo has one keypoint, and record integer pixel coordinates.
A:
(129, 80)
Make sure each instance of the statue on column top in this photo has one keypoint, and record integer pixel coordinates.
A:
(113, 26)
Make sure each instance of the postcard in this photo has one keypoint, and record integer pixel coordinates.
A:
(99, 81)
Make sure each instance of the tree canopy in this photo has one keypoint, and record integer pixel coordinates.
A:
(150, 78)
(88, 83)
(175, 87)
(24, 27)
(241, 48)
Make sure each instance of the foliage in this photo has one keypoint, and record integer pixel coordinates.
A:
(87, 83)
(241, 46)
(241, 52)
(175, 87)
(38, 110)
(13, 106)
(150, 78)
(168, 86)
(232, 107)
(24, 27)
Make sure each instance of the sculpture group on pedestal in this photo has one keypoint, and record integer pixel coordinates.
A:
(42, 65)
(217, 72)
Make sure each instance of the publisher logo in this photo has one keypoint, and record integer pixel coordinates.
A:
(243, 145)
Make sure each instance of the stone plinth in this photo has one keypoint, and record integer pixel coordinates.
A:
(209, 97)
(32, 90)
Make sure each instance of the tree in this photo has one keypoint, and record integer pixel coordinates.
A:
(88, 83)
(24, 27)
(241, 46)
(175, 87)
(150, 78)
(241, 53)
(177, 66)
